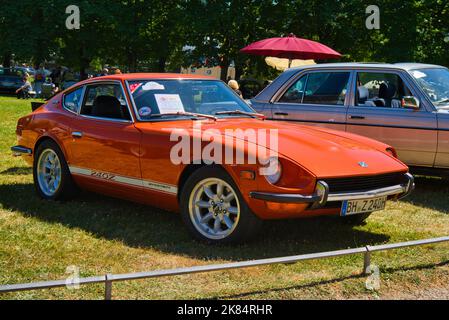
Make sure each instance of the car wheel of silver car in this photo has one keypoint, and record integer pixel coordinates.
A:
(213, 208)
(51, 174)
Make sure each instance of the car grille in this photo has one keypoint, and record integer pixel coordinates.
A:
(364, 183)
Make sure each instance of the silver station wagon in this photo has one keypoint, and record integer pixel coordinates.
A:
(405, 105)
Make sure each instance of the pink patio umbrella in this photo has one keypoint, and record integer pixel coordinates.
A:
(291, 48)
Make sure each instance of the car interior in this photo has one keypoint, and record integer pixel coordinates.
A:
(326, 88)
(105, 101)
(383, 90)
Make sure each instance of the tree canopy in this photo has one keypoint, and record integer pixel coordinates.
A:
(157, 35)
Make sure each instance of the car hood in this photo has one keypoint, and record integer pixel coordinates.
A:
(325, 153)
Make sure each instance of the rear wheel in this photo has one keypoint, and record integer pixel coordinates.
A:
(52, 179)
(356, 219)
(213, 208)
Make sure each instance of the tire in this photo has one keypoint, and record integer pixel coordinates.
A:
(214, 216)
(49, 163)
(356, 220)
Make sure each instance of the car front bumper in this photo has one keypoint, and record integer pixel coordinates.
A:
(321, 196)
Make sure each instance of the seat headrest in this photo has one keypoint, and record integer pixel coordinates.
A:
(107, 107)
(363, 93)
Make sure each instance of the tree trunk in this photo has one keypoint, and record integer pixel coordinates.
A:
(7, 60)
(161, 64)
(224, 65)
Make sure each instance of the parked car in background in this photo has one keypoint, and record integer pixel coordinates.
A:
(113, 135)
(405, 105)
(11, 79)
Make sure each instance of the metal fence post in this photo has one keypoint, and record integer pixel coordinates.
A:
(366, 260)
(108, 287)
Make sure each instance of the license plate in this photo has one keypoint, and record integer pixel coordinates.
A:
(350, 207)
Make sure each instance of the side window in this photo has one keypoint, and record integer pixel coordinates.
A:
(105, 101)
(380, 89)
(72, 101)
(296, 92)
(327, 88)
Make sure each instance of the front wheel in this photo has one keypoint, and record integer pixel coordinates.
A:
(213, 208)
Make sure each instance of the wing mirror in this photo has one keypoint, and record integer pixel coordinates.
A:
(410, 102)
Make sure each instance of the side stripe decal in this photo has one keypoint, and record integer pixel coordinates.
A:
(152, 185)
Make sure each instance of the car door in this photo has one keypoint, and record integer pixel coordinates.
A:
(376, 112)
(105, 145)
(318, 97)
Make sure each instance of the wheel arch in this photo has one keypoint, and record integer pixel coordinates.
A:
(191, 168)
(44, 138)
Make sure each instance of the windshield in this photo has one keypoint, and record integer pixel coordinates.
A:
(435, 83)
(174, 97)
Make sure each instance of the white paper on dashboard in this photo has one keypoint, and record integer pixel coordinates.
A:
(169, 103)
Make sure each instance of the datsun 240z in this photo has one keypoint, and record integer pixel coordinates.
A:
(122, 136)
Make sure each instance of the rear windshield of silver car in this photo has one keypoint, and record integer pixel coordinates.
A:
(156, 97)
(435, 83)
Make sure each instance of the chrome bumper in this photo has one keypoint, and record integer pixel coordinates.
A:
(19, 150)
(321, 195)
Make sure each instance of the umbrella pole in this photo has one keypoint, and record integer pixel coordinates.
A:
(289, 63)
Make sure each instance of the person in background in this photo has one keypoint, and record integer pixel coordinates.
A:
(24, 91)
(117, 71)
(56, 76)
(48, 89)
(39, 79)
(235, 86)
(104, 72)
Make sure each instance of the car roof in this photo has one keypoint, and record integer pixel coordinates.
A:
(407, 66)
(270, 90)
(138, 76)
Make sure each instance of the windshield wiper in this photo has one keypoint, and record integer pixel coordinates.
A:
(443, 101)
(190, 114)
(251, 114)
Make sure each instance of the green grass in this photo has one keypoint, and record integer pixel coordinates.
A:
(99, 235)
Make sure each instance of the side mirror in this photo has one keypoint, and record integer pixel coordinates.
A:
(410, 102)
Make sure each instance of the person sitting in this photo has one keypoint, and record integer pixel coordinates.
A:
(48, 88)
(25, 90)
(235, 86)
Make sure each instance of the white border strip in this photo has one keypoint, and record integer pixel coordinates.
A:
(106, 176)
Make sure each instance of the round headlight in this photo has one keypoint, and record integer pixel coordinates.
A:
(273, 171)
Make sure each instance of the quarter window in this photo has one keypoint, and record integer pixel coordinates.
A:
(320, 88)
(105, 101)
(72, 101)
(380, 90)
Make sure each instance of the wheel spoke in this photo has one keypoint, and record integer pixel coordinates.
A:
(209, 193)
(217, 225)
(229, 197)
(206, 218)
(228, 222)
(219, 189)
(203, 204)
(233, 210)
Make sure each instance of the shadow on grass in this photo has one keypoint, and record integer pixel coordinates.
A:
(142, 226)
(247, 295)
(18, 171)
(430, 192)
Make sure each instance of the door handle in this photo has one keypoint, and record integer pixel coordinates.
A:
(281, 113)
(357, 117)
(77, 134)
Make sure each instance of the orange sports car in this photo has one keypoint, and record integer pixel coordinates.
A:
(190, 144)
